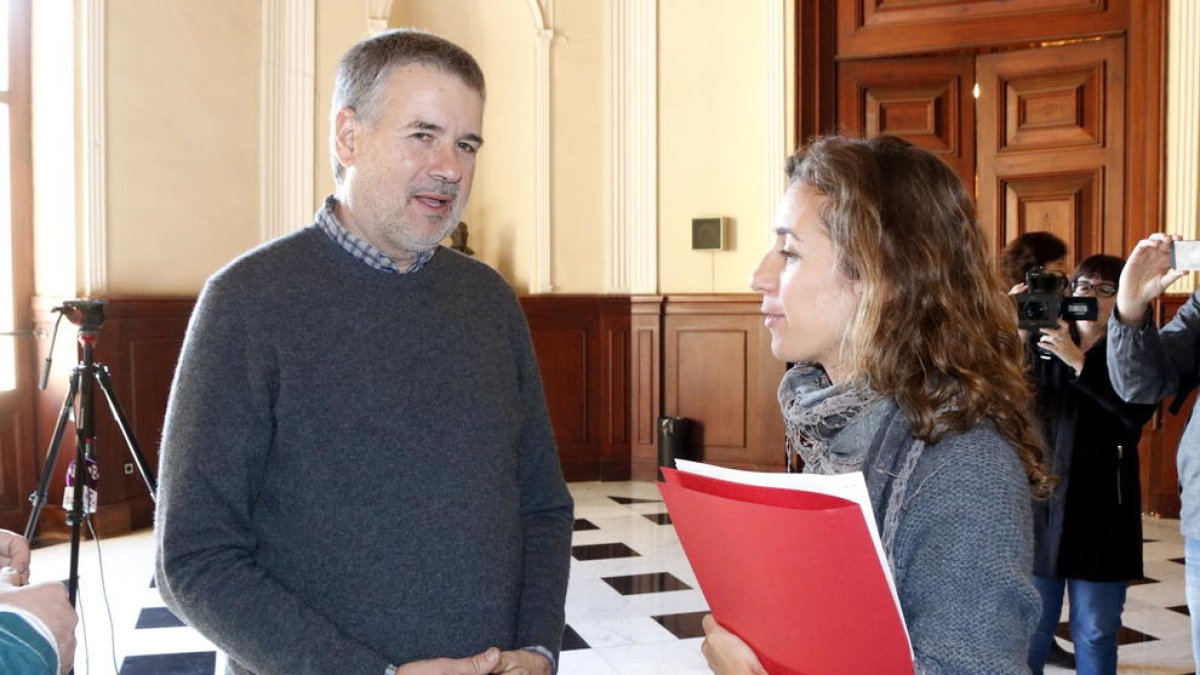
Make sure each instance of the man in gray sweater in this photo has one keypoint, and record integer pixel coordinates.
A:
(358, 473)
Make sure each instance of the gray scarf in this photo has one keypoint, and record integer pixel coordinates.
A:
(816, 412)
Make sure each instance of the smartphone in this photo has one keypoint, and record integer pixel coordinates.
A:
(1185, 255)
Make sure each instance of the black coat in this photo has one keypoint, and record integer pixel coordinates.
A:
(1091, 527)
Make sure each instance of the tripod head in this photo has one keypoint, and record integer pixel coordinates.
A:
(87, 314)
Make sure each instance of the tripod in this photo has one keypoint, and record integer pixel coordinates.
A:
(89, 316)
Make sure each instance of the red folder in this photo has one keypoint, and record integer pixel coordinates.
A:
(794, 573)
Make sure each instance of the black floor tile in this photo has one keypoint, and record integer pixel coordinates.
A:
(153, 582)
(633, 500)
(194, 663)
(1182, 609)
(1143, 581)
(157, 617)
(683, 626)
(1181, 561)
(1125, 637)
(660, 518)
(655, 582)
(571, 640)
(582, 524)
(603, 551)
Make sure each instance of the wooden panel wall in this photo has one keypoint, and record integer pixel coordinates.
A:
(582, 344)
(140, 342)
(646, 318)
(928, 101)
(1051, 144)
(716, 369)
(889, 27)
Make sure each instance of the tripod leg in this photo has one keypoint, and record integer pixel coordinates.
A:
(38, 498)
(102, 376)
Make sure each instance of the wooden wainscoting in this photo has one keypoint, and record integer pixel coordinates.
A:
(140, 342)
(716, 369)
(582, 345)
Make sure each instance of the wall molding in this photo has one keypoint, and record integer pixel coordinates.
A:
(379, 13)
(632, 234)
(95, 182)
(543, 26)
(286, 126)
(1183, 128)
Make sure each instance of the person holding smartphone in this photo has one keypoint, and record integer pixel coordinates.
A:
(1148, 365)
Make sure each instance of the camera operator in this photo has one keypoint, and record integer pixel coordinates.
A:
(1148, 365)
(1088, 534)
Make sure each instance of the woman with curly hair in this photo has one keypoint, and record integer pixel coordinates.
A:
(908, 368)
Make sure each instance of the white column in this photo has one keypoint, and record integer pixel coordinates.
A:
(632, 251)
(1183, 126)
(543, 280)
(94, 242)
(378, 13)
(286, 124)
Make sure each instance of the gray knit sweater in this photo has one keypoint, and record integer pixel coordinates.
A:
(358, 467)
(963, 547)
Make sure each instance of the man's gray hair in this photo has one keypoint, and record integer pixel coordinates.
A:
(363, 70)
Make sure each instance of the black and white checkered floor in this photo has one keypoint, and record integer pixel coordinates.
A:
(633, 606)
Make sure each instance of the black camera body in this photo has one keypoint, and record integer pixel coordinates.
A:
(1044, 301)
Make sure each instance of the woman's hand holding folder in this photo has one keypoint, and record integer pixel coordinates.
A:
(726, 653)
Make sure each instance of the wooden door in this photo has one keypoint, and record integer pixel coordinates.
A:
(1051, 144)
(926, 100)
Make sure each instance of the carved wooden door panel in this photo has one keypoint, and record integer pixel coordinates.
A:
(1051, 144)
(926, 100)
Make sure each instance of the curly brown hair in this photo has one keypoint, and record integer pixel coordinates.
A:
(903, 226)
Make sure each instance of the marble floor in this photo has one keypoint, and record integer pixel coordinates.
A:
(633, 606)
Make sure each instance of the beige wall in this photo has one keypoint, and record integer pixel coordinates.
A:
(580, 164)
(712, 140)
(182, 141)
(183, 138)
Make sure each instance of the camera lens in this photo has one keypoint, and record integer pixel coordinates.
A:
(1034, 311)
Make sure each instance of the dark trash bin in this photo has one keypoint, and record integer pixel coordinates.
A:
(674, 440)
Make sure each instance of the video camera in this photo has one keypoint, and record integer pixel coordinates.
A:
(1044, 301)
(87, 314)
